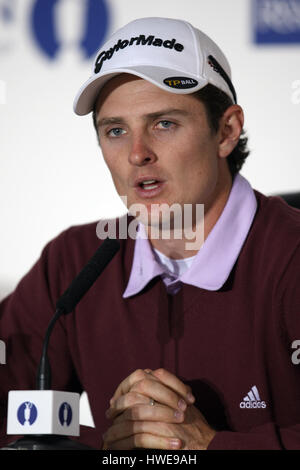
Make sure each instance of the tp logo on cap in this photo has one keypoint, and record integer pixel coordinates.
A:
(180, 83)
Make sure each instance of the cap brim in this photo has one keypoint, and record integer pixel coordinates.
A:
(87, 95)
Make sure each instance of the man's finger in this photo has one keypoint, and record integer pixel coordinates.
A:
(128, 383)
(125, 401)
(144, 441)
(174, 383)
(158, 391)
(126, 428)
(158, 413)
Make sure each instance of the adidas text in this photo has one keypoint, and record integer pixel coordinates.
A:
(253, 404)
(252, 399)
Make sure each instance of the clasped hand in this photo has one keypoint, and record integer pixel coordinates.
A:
(155, 410)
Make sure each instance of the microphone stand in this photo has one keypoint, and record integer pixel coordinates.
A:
(66, 304)
(46, 441)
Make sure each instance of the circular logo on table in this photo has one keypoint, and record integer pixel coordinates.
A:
(27, 413)
(65, 414)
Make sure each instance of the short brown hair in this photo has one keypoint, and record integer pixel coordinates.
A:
(216, 102)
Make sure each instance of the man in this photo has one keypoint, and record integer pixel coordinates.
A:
(177, 347)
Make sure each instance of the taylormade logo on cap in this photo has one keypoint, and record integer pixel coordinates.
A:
(141, 40)
(171, 54)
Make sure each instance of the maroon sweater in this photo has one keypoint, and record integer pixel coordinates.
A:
(222, 343)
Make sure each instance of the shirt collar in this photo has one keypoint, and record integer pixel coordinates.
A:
(217, 256)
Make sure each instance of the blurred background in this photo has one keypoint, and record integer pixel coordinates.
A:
(51, 170)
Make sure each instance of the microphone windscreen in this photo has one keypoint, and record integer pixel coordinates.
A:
(88, 275)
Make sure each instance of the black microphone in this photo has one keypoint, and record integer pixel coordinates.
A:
(86, 278)
(70, 298)
(65, 304)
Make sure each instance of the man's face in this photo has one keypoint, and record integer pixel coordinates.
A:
(158, 145)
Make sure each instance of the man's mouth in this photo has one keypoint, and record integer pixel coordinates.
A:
(148, 186)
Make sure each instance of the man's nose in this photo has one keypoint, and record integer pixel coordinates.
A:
(141, 152)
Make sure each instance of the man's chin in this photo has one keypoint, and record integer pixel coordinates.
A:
(162, 225)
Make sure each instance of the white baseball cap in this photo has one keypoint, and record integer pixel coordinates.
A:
(169, 53)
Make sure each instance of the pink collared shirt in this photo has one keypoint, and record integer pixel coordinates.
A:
(217, 256)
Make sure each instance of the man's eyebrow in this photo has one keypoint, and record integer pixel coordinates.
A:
(169, 111)
(110, 120)
(119, 120)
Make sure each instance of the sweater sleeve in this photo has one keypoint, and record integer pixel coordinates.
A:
(273, 435)
(24, 317)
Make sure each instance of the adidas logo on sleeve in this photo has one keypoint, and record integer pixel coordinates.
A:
(252, 400)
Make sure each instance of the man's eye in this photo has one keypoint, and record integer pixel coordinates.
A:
(165, 124)
(116, 132)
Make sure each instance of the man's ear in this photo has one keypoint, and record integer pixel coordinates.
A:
(231, 126)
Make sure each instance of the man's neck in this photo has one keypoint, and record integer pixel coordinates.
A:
(185, 247)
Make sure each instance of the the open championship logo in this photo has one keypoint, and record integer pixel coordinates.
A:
(65, 414)
(27, 413)
(78, 25)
